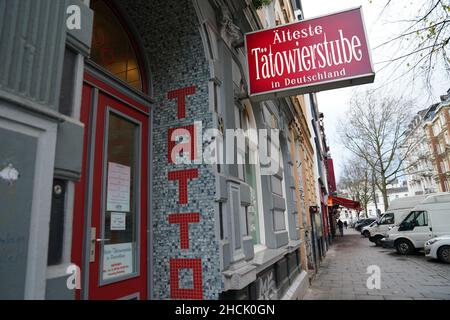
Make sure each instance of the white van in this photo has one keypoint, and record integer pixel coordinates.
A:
(397, 211)
(429, 219)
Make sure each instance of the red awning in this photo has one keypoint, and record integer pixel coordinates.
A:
(350, 204)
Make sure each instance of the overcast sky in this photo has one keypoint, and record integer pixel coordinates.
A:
(334, 103)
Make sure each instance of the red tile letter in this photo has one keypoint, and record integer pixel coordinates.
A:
(196, 292)
(181, 94)
(182, 176)
(183, 219)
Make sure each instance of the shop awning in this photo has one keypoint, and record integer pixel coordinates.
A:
(347, 203)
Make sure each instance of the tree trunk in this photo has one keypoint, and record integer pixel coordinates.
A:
(385, 197)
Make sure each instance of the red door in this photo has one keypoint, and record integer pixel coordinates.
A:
(114, 192)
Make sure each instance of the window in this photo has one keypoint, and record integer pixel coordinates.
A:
(112, 48)
(120, 223)
(246, 231)
(420, 218)
(240, 149)
(410, 217)
(221, 220)
(442, 119)
(388, 218)
(278, 188)
(252, 214)
(435, 129)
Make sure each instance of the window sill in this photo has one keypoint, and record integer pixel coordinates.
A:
(259, 247)
(264, 258)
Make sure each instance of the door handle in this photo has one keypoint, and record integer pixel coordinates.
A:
(102, 240)
(92, 246)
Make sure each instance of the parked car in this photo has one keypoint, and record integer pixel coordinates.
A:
(438, 248)
(365, 230)
(427, 220)
(398, 209)
(362, 223)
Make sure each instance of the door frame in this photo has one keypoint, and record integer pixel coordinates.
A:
(101, 81)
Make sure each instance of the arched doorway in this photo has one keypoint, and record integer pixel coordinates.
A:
(110, 237)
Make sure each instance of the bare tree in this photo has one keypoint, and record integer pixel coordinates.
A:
(356, 180)
(375, 130)
(422, 41)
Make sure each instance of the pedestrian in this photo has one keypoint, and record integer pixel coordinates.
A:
(341, 227)
(345, 224)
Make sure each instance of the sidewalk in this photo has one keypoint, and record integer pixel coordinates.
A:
(343, 273)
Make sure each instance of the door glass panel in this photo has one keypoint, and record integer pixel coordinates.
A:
(120, 228)
(421, 219)
(389, 218)
(410, 217)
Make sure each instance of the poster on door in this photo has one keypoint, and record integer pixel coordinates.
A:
(118, 190)
(118, 221)
(117, 260)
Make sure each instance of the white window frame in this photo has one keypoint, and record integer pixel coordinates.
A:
(254, 152)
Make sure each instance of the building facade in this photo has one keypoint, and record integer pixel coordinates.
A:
(304, 159)
(320, 235)
(114, 119)
(437, 127)
(417, 164)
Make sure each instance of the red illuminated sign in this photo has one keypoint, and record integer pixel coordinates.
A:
(311, 55)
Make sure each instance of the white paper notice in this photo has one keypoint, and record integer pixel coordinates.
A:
(118, 191)
(118, 220)
(117, 260)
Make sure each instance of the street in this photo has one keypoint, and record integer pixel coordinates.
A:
(343, 273)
